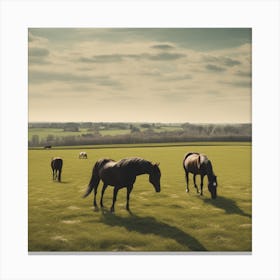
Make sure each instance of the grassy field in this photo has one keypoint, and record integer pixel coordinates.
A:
(172, 220)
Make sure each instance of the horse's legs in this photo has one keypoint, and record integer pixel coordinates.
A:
(129, 189)
(59, 175)
(201, 184)
(102, 193)
(187, 181)
(116, 189)
(195, 183)
(94, 196)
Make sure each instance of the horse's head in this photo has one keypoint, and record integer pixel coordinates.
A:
(212, 187)
(154, 177)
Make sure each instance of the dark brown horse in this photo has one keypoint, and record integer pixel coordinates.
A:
(56, 165)
(121, 174)
(199, 164)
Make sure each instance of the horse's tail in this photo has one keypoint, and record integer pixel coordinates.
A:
(94, 181)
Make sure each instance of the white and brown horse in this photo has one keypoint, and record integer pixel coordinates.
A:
(199, 164)
(83, 155)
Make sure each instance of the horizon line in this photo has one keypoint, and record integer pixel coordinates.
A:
(148, 122)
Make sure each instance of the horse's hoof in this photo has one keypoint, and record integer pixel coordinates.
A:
(187, 190)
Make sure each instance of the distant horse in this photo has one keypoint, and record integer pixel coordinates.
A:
(56, 165)
(196, 163)
(83, 155)
(121, 174)
(47, 147)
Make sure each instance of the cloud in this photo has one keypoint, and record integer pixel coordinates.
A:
(200, 39)
(115, 66)
(214, 68)
(151, 73)
(230, 62)
(37, 60)
(38, 55)
(163, 47)
(239, 84)
(48, 76)
(243, 73)
(223, 60)
(168, 78)
(166, 56)
(102, 58)
(38, 52)
(112, 58)
(35, 39)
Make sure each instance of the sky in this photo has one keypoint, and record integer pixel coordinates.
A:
(170, 75)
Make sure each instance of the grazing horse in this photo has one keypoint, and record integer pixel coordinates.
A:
(56, 165)
(196, 163)
(120, 174)
(83, 155)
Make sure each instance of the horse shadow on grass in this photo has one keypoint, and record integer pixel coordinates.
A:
(149, 225)
(228, 205)
(62, 182)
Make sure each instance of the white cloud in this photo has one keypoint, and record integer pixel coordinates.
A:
(161, 74)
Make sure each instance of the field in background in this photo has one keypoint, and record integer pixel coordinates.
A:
(89, 133)
(172, 220)
(44, 133)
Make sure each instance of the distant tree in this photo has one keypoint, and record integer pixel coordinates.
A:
(50, 138)
(35, 140)
(146, 125)
(149, 131)
(134, 129)
(71, 129)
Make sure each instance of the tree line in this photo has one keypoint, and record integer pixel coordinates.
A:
(141, 133)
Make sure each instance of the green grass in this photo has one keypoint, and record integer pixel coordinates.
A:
(172, 220)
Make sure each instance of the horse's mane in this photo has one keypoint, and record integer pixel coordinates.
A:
(132, 161)
(102, 161)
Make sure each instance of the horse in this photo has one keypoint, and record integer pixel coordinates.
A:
(121, 174)
(196, 163)
(56, 165)
(83, 155)
(47, 147)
